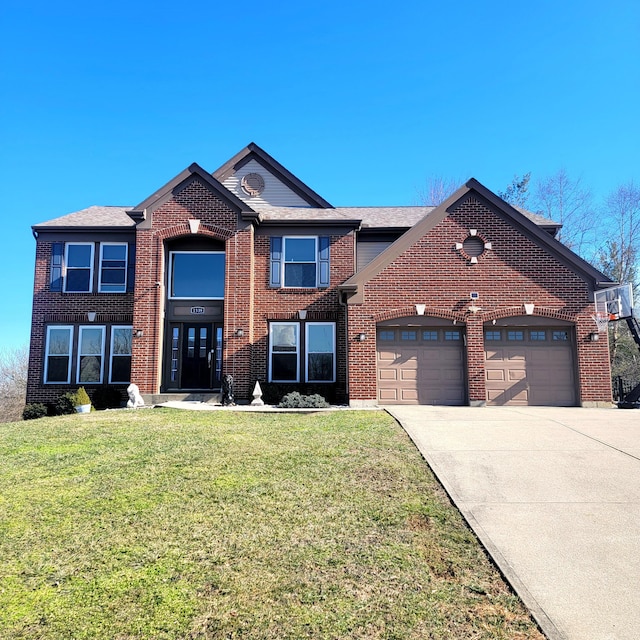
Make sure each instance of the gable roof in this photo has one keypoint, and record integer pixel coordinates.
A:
(167, 191)
(529, 228)
(253, 152)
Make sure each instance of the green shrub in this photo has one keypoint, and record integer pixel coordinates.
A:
(82, 397)
(107, 398)
(65, 404)
(295, 400)
(34, 410)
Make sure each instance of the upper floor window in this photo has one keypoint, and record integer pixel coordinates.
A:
(299, 262)
(197, 274)
(78, 259)
(113, 268)
(73, 267)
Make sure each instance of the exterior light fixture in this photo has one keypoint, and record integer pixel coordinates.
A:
(594, 337)
(362, 337)
(239, 333)
(138, 333)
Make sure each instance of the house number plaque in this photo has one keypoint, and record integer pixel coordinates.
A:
(196, 311)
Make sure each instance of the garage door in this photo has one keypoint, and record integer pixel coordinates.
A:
(420, 365)
(530, 366)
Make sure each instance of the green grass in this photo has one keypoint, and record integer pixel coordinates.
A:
(176, 524)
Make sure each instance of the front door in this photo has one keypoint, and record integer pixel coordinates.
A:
(196, 356)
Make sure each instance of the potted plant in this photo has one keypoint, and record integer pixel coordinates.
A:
(83, 402)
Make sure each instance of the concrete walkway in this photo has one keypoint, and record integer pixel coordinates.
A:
(554, 496)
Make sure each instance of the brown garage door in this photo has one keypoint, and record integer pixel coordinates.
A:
(420, 365)
(530, 366)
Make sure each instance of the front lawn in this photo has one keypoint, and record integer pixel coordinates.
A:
(162, 524)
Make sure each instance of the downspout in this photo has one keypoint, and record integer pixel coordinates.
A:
(344, 304)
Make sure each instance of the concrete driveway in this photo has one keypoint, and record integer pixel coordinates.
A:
(554, 496)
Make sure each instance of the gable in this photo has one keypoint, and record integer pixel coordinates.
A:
(481, 206)
(253, 176)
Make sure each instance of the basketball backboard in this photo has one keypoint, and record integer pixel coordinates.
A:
(615, 302)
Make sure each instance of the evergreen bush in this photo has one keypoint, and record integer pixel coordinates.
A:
(34, 410)
(295, 400)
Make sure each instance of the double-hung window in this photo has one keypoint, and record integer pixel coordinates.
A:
(90, 355)
(299, 262)
(113, 267)
(57, 363)
(78, 261)
(284, 360)
(320, 347)
(120, 365)
(315, 357)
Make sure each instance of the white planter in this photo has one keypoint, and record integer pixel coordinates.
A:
(83, 408)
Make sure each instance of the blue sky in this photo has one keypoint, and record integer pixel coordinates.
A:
(102, 103)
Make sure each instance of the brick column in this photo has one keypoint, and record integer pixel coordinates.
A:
(475, 361)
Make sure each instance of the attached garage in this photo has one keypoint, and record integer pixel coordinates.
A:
(530, 365)
(421, 364)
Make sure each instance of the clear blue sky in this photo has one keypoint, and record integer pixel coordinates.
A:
(102, 103)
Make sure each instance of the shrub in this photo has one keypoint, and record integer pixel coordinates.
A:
(82, 397)
(296, 400)
(65, 404)
(107, 398)
(34, 410)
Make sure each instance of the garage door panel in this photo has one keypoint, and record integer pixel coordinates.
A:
(533, 372)
(427, 371)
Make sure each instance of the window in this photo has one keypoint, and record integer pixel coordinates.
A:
(320, 346)
(113, 268)
(492, 336)
(120, 365)
(537, 336)
(197, 274)
(386, 335)
(300, 262)
(408, 336)
(284, 341)
(90, 355)
(79, 267)
(317, 357)
(516, 336)
(57, 365)
(560, 336)
(430, 336)
(451, 336)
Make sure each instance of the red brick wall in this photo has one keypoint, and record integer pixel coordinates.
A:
(515, 271)
(284, 304)
(64, 308)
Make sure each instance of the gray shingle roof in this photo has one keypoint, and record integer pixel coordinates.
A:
(94, 216)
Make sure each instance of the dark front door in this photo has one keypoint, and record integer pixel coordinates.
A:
(196, 356)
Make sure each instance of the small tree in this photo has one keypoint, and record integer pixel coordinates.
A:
(517, 193)
(14, 365)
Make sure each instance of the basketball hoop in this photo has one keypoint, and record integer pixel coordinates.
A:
(602, 321)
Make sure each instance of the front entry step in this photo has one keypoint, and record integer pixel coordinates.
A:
(211, 397)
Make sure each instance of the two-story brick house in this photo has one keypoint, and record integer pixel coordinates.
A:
(249, 272)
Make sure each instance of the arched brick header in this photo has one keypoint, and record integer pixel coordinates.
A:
(410, 311)
(182, 229)
(544, 312)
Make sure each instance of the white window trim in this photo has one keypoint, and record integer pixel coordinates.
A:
(47, 354)
(67, 268)
(170, 278)
(111, 353)
(284, 261)
(307, 352)
(126, 264)
(297, 352)
(80, 354)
